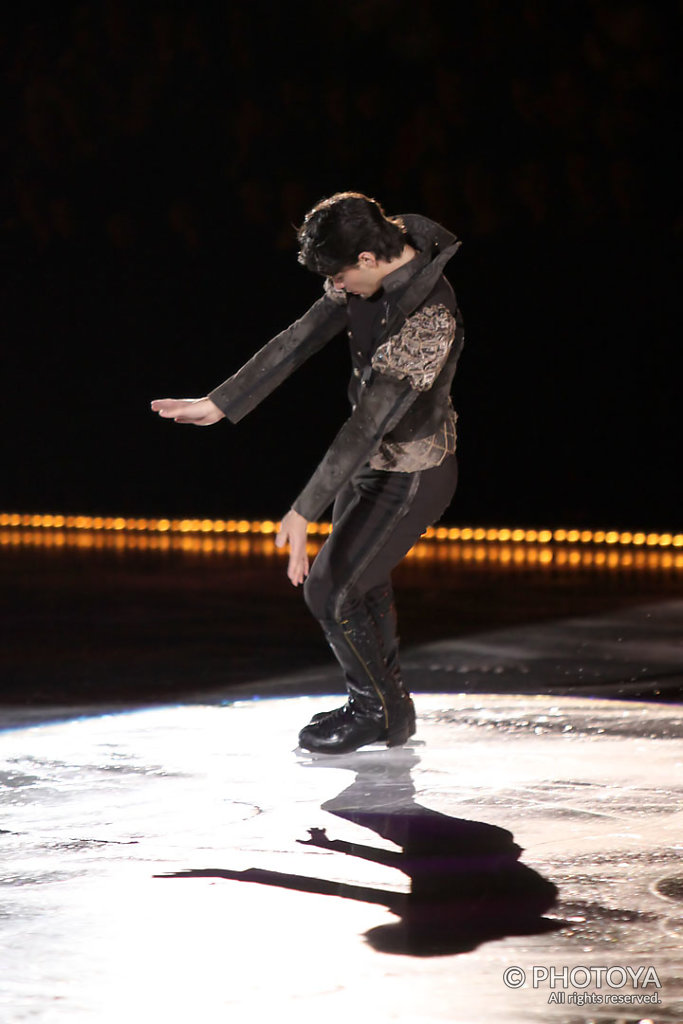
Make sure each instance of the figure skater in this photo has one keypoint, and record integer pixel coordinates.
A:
(391, 471)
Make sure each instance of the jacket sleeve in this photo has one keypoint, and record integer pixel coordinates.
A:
(279, 358)
(407, 364)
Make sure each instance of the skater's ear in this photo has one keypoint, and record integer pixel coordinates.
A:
(367, 259)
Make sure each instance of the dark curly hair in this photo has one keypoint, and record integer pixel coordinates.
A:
(338, 229)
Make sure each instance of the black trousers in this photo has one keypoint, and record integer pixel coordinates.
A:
(377, 518)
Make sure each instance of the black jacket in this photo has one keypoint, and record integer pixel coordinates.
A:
(388, 406)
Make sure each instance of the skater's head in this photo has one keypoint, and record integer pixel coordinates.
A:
(338, 230)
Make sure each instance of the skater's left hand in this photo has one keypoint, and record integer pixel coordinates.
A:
(293, 532)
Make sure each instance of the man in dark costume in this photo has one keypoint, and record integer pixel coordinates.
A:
(391, 470)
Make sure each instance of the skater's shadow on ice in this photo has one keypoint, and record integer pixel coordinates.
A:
(467, 884)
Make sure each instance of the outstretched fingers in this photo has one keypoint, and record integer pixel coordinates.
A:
(199, 411)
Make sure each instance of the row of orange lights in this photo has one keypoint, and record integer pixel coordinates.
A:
(268, 527)
(500, 554)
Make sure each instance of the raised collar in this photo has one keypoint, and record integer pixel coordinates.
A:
(398, 279)
(431, 239)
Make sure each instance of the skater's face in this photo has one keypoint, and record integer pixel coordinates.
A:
(363, 279)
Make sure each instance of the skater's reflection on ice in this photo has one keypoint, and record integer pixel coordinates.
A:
(467, 885)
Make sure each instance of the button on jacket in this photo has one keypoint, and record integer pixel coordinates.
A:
(400, 387)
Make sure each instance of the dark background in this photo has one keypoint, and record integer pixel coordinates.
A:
(158, 157)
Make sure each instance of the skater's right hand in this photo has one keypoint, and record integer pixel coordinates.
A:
(199, 411)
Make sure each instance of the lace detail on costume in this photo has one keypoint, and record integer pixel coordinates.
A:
(413, 456)
(337, 296)
(419, 350)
